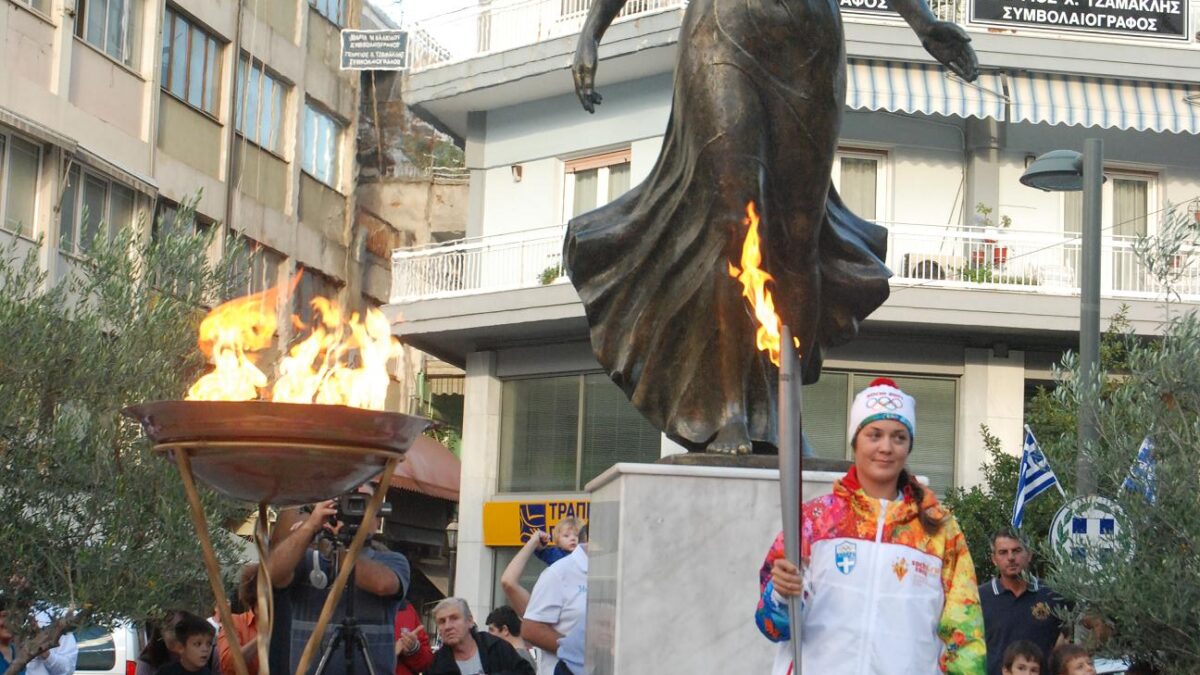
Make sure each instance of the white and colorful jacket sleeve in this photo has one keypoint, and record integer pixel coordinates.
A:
(961, 623)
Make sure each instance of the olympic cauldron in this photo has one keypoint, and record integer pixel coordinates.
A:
(321, 434)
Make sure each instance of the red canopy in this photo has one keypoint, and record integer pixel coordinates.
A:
(429, 468)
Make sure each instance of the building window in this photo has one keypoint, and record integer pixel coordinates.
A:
(260, 110)
(1125, 205)
(334, 10)
(254, 266)
(42, 6)
(322, 136)
(558, 433)
(858, 177)
(110, 26)
(170, 218)
(312, 284)
(1126, 215)
(20, 165)
(92, 206)
(826, 410)
(592, 182)
(191, 62)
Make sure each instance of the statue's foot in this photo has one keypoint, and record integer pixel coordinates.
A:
(732, 439)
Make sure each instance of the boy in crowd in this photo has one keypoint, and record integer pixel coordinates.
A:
(1022, 658)
(504, 623)
(565, 536)
(1071, 659)
(195, 645)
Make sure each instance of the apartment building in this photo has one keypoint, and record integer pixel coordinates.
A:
(985, 294)
(123, 109)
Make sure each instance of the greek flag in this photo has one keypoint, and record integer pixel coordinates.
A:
(1035, 477)
(1141, 474)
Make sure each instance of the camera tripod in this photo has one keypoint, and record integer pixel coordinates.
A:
(348, 634)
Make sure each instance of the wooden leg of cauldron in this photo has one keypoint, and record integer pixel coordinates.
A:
(184, 462)
(335, 590)
(264, 610)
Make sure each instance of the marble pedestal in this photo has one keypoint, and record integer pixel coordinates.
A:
(673, 567)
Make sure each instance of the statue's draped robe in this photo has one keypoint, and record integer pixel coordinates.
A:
(758, 96)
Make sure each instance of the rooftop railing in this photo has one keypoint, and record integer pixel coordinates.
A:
(918, 255)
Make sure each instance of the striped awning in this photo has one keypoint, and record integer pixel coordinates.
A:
(916, 87)
(1105, 103)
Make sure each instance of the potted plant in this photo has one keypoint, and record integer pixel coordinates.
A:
(997, 253)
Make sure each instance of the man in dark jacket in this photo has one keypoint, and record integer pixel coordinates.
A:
(466, 651)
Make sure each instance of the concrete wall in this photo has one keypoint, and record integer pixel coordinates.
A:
(107, 90)
(189, 135)
(415, 209)
(323, 208)
(282, 17)
(262, 176)
(28, 44)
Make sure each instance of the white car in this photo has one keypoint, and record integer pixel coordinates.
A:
(103, 652)
(1110, 666)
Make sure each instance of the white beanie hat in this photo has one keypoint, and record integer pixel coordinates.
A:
(883, 400)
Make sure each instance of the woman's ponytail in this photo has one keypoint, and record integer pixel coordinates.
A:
(931, 521)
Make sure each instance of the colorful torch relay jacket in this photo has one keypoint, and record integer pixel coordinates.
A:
(882, 596)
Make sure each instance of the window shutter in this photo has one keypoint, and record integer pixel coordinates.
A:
(825, 405)
(613, 430)
(539, 423)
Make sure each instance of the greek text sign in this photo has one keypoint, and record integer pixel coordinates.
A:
(511, 523)
(880, 8)
(1143, 18)
(374, 49)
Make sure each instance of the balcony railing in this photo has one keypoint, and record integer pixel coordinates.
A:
(506, 24)
(918, 255)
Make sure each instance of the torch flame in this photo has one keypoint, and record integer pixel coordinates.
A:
(340, 362)
(754, 288)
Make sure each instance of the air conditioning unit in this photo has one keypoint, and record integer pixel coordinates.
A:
(932, 266)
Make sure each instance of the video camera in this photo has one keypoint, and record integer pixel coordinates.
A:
(351, 509)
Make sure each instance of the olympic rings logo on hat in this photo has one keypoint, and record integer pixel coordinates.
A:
(885, 401)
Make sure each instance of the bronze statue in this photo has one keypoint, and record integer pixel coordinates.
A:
(758, 98)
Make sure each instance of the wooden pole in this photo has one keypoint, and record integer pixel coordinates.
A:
(264, 610)
(184, 462)
(335, 593)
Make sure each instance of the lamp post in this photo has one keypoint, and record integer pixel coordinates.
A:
(1070, 171)
(452, 548)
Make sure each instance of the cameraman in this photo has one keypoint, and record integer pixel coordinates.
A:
(303, 577)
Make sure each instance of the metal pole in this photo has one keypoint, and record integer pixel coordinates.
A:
(1089, 314)
(790, 467)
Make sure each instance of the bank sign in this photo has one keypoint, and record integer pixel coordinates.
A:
(511, 523)
(1142, 18)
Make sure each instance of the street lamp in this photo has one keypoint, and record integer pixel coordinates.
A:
(1070, 171)
(452, 548)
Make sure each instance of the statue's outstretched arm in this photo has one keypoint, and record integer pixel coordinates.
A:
(586, 54)
(946, 41)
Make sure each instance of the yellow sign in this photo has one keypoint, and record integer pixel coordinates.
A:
(511, 523)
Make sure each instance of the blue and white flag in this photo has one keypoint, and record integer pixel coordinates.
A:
(1141, 474)
(1034, 478)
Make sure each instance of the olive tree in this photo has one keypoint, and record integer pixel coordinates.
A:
(95, 527)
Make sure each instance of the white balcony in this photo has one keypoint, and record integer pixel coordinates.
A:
(500, 25)
(918, 255)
